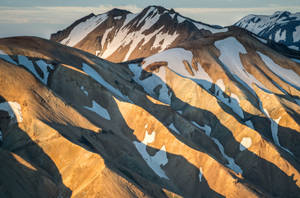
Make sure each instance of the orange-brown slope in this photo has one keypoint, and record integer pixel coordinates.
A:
(99, 126)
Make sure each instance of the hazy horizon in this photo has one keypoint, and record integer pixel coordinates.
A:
(39, 18)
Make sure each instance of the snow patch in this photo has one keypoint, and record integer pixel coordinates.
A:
(93, 74)
(206, 128)
(13, 109)
(280, 35)
(97, 53)
(154, 162)
(23, 60)
(296, 34)
(288, 75)
(98, 109)
(200, 174)
(117, 17)
(84, 90)
(83, 29)
(150, 83)
(245, 143)
(250, 124)
(175, 58)
(172, 126)
(274, 130)
(230, 49)
(45, 69)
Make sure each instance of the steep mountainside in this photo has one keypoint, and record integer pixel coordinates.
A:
(119, 35)
(281, 27)
(210, 117)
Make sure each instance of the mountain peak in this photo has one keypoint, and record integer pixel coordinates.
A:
(117, 12)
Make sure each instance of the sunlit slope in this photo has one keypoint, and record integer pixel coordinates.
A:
(210, 118)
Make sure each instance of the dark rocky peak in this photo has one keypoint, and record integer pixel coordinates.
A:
(117, 12)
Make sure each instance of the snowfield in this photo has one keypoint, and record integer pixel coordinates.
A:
(98, 109)
(80, 31)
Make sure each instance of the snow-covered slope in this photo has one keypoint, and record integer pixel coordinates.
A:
(119, 35)
(281, 27)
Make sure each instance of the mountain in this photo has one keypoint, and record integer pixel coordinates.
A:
(282, 27)
(213, 115)
(119, 35)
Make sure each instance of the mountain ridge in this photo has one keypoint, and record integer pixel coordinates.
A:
(281, 27)
(207, 114)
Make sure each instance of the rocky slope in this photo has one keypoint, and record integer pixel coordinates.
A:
(209, 117)
(281, 27)
(119, 35)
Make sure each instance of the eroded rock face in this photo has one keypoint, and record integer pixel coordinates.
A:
(213, 117)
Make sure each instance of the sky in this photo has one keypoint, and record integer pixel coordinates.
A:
(43, 17)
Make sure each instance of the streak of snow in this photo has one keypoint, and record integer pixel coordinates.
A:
(104, 37)
(44, 67)
(206, 27)
(174, 128)
(274, 130)
(6, 57)
(180, 112)
(93, 74)
(98, 109)
(13, 109)
(261, 39)
(245, 143)
(83, 29)
(293, 47)
(250, 124)
(84, 90)
(296, 60)
(180, 19)
(231, 164)
(154, 162)
(288, 75)
(23, 60)
(200, 174)
(206, 128)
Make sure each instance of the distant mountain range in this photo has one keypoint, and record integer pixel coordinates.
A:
(281, 27)
(151, 105)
